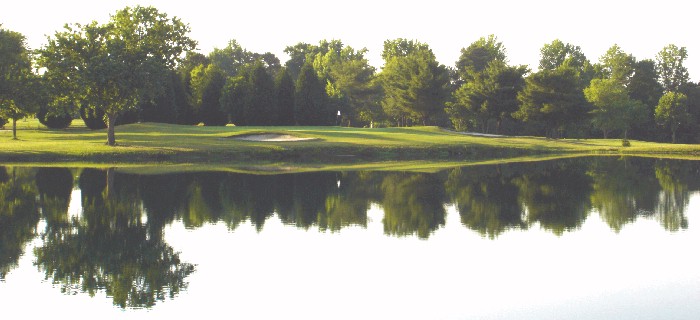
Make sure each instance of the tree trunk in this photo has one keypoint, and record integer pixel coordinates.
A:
(111, 120)
(605, 134)
(109, 190)
(14, 129)
(673, 136)
(625, 134)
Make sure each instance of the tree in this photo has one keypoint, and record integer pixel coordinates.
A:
(209, 106)
(553, 55)
(618, 65)
(262, 109)
(234, 99)
(490, 95)
(113, 66)
(349, 81)
(672, 112)
(613, 108)
(61, 119)
(18, 84)
(644, 86)
(310, 99)
(476, 57)
(298, 57)
(231, 59)
(669, 64)
(284, 87)
(553, 98)
(415, 84)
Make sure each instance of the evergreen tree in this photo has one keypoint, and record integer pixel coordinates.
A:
(210, 112)
(284, 86)
(262, 105)
(234, 100)
(310, 99)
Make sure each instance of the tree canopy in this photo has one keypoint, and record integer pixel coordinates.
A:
(112, 66)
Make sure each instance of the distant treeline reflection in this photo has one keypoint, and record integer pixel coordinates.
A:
(116, 243)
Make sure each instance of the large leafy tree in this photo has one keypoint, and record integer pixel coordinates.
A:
(672, 112)
(490, 93)
(669, 63)
(613, 109)
(18, 84)
(554, 99)
(415, 84)
(644, 86)
(617, 65)
(349, 82)
(113, 66)
(672, 109)
(475, 58)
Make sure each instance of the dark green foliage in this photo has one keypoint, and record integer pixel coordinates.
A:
(3, 122)
(167, 107)
(415, 84)
(262, 109)
(54, 121)
(310, 99)
(284, 86)
(210, 112)
(93, 118)
(644, 86)
(490, 96)
(553, 98)
(234, 100)
(476, 57)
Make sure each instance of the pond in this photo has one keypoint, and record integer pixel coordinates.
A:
(585, 238)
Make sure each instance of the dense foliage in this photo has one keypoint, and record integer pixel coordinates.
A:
(140, 67)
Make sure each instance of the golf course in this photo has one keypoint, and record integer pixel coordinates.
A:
(312, 148)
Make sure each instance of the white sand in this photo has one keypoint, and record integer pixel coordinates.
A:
(271, 137)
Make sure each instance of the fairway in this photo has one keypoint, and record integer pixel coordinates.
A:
(152, 142)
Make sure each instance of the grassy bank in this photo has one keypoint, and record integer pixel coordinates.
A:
(163, 143)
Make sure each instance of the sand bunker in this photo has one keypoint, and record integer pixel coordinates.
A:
(272, 137)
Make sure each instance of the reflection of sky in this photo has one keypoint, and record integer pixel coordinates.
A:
(75, 207)
(644, 272)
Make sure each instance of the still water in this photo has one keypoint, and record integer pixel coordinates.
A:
(593, 238)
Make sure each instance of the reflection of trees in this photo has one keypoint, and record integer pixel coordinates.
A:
(348, 205)
(413, 204)
(55, 186)
(109, 248)
(486, 199)
(19, 215)
(675, 179)
(555, 194)
(622, 189)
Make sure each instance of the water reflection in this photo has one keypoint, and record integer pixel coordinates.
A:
(116, 246)
(109, 247)
(19, 215)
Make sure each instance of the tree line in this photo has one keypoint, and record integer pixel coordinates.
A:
(141, 66)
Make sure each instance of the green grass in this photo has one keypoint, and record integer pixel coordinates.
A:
(416, 147)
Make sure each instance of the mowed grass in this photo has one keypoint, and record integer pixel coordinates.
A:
(151, 142)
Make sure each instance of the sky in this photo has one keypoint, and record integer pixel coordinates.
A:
(641, 28)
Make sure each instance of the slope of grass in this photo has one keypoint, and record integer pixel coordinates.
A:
(150, 142)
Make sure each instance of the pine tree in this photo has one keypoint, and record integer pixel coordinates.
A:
(262, 107)
(284, 87)
(310, 96)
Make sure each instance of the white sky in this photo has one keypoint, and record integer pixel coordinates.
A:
(641, 28)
